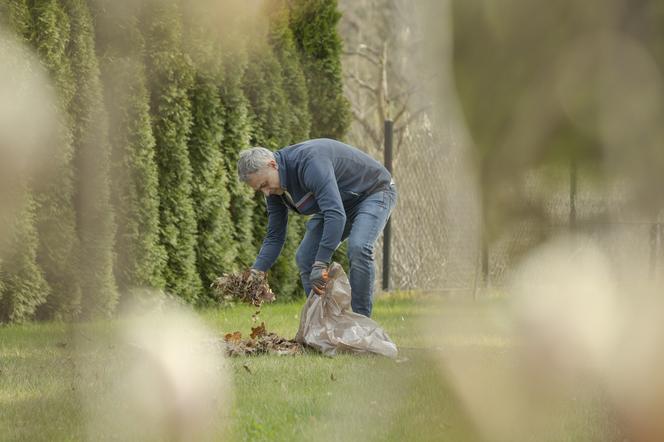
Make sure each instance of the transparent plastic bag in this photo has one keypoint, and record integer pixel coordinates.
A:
(328, 324)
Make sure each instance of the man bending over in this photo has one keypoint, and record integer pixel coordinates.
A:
(350, 196)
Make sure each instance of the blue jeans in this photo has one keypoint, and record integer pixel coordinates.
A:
(363, 225)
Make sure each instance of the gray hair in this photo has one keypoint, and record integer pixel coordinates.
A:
(252, 160)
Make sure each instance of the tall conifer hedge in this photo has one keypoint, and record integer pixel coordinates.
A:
(153, 108)
(140, 258)
(314, 26)
(58, 252)
(171, 78)
(95, 221)
(236, 138)
(22, 284)
(215, 249)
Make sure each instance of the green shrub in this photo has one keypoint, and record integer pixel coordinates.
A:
(95, 221)
(56, 218)
(171, 78)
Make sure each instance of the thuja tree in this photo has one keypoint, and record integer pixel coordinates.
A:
(15, 15)
(281, 39)
(58, 242)
(262, 85)
(95, 223)
(215, 248)
(314, 26)
(22, 284)
(140, 257)
(170, 73)
(272, 117)
(313, 23)
(236, 137)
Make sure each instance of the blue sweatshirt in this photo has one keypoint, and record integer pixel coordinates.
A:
(321, 176)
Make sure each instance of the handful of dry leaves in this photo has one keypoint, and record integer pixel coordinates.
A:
(260, 342)
(247, 286)
(251, 288)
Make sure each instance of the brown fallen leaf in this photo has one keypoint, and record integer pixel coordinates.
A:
(265, 343)
(235, 337)
(246, 367)
(258, 331)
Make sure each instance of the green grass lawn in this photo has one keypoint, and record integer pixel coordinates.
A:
(307, 397)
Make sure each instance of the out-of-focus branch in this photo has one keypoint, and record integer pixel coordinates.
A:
(371, 50)
(368, 128)
(401, 112)
(367, 57)
(412, 117)
(408, 93)
(363, 84)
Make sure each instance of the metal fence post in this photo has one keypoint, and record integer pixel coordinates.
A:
(387, 233)
(654, 250)
(573, 171)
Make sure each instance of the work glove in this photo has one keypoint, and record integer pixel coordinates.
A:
(318, 277)
(256, 274)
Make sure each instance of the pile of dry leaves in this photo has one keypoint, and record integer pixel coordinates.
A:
(260, 342)
(252, 288)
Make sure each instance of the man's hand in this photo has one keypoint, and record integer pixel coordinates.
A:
(255, 273)
(318, 277)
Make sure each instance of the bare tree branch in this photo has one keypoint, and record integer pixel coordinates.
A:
(408, 93)
(367, 57)
(369, 49)
(350, 19)
(362, 83)
(367, 127)
(364, 111)
(413, 117)
(401, 111)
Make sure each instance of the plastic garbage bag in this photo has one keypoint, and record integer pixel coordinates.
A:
(328, 324)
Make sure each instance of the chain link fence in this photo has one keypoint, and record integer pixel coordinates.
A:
(437, 223)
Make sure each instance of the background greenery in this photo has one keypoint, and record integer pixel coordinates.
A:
(156, 99)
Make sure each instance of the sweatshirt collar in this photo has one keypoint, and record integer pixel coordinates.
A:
(281, 163)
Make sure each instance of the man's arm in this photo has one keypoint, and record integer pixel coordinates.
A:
(277, 224)
(318, 176)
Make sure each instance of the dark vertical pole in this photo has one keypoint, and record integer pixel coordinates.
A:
(484, 233)
(572, 194)
(485, 260)
(658, 254)
(387, 233)
(654, 245)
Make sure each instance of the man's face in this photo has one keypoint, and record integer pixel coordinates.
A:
(266, 180)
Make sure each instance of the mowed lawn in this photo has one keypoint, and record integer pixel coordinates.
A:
(306, 397)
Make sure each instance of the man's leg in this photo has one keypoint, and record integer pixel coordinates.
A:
(306, 252)
(368, 221)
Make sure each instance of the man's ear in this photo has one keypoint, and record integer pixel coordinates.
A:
(273, 164)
